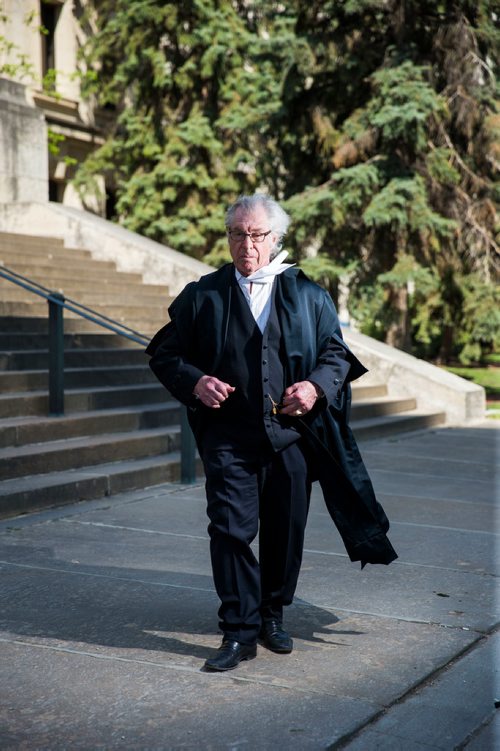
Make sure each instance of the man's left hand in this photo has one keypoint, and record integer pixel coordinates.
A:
(300, 398)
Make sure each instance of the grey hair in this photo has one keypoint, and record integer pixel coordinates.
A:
(278, 218)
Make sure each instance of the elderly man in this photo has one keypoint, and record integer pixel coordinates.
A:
(254, 350)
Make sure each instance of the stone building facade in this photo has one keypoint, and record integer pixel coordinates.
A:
(40, 102)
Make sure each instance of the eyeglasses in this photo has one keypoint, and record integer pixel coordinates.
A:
(238, 235)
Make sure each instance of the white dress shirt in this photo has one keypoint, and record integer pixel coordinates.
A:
(258, 288)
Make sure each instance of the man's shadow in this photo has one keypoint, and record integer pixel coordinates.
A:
(126, 608)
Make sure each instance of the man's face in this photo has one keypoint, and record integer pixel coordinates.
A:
(249, 255)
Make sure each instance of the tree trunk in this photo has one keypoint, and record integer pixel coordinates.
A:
(398, 332)
(446, 348)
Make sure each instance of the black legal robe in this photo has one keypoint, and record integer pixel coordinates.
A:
(192, 345)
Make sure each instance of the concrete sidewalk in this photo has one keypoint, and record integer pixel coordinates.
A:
(109, 612)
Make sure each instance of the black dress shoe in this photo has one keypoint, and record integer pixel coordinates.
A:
(274, 637)
(230, 654)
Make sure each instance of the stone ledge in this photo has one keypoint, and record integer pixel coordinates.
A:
(405, 375)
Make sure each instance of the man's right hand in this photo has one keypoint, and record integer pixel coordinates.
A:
(212, 392)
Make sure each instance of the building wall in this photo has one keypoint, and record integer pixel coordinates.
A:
(23, 138)
(26, 38)
(64, 112)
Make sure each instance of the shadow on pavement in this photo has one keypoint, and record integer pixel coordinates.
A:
(125, 608)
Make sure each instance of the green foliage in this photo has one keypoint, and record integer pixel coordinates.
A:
(481, 311)
(173, 156)
(16, 64)
(49, 82)
(403, 205)
(406, 271)
(13, 63)
(323, 270)
(375, 123)
(368, 307)
(439, 164)
(489, 378)
(372, 305)
(402, 105)
(54, 141)
(219, 255)
(353, 187)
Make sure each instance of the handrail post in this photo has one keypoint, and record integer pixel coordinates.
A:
(56, 354)
(188, 460)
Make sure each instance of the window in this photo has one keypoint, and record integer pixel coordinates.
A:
(49, 15)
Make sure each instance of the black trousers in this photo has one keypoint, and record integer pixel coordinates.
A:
(245, 486)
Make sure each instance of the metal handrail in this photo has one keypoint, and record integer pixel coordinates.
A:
(57, 302)
(73, 305)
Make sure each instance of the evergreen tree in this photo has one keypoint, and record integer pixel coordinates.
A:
(171, 73)
(375, 121)
(397, 112)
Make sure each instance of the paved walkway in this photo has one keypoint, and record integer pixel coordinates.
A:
(108, 613)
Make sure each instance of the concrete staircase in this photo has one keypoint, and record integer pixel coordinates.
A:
(121, 428)
(97, 284)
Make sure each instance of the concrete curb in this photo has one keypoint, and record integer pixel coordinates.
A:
(405, 375)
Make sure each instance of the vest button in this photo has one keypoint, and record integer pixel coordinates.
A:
(264, 362)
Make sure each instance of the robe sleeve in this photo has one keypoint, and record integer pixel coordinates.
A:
(336, 364)
(170, 357)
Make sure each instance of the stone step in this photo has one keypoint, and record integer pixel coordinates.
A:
(34, 492)
(79, 288)
(75, 325)
(17, 404)
(404, 422)
(34, 401)
(39, 263)
(99, 298)
(32, 244)
(91, 374)
(74, 453)
(369, 391)
(31, 340)
(31, 253)
(146, 328)
(121, 313)
(31, 309)
(18, 324)
(73, 358)
(380, 406)
(22, 494)
(18, 431)
(30, 240)
(29, 380)
(45, 275)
